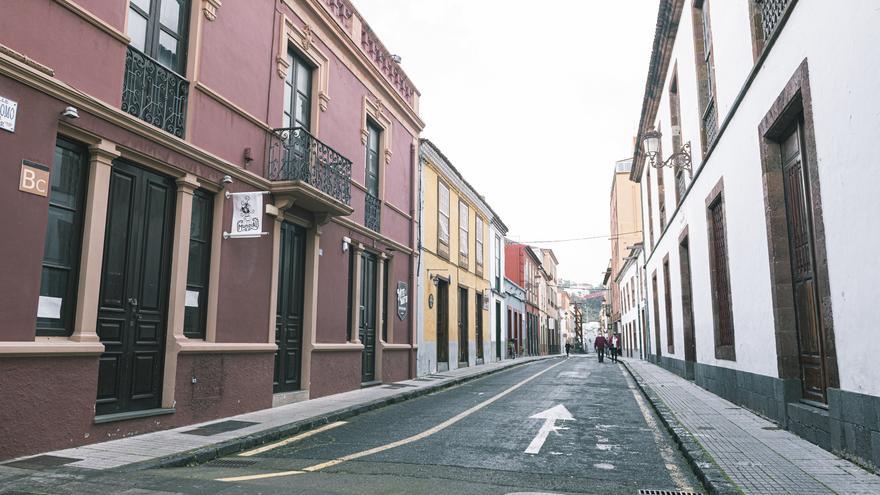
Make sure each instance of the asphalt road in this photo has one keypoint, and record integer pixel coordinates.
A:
(471, 438)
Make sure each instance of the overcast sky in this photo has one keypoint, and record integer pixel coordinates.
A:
(533, 102)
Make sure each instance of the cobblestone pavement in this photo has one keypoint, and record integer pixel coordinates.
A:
(757, 456)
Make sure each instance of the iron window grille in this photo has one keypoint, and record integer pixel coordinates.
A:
(372, 212)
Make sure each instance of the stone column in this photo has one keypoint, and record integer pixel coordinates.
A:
(101, 159)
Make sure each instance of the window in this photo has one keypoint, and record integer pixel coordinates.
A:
(478, 243)
(705, 63)
(61, 252)
(765, 16)
(463, 242)
(656, 313)
(158, 29)
(720, 276)
(675, 117)
(198, 268)
(498, 263)
(670, 334)
(298, 93)
(372, 207)
(650, 210)
(442, 219)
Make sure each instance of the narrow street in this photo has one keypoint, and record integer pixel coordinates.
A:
(467, 439)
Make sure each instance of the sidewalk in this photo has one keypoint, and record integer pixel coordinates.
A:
(206, 441)
(754, 453)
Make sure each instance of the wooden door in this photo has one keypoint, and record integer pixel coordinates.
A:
(801, 242)
(687, 307)
(478, 322)
(289, 311)
(442, 322)
(463, 326)
(133, 301)
(367, 329)
(498, 329)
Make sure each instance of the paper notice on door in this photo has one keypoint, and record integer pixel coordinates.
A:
(49, 307)
(192, 299)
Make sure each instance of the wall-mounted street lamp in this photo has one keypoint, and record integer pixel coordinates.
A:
(679, 159)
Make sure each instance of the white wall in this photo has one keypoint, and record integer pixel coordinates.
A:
(841, 47)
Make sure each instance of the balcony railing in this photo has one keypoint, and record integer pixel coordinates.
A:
(372, 212)
(294, 154)
(154, 93)
(771, 14)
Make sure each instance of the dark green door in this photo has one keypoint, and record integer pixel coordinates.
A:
(367, 329)
(134, 289)
(289, 316)
(442, 323)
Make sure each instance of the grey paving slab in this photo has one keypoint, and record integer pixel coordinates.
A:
(757, 459)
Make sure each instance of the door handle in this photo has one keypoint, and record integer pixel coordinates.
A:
(133, 301)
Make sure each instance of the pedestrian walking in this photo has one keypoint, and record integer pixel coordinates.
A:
(615, 347)
(567, 349)
(599, 344)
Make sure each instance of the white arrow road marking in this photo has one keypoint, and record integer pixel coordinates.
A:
(549, 416)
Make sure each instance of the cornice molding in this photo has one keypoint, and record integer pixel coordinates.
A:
(92, 19)
(343, 44)
(360, 229)
(39, 80)
(210, 7)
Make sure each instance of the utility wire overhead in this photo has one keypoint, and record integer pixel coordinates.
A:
(606, 236)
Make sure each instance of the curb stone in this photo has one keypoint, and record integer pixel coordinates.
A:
(707, 470)
(208, 453)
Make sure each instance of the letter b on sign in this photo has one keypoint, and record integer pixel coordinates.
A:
(34, 179)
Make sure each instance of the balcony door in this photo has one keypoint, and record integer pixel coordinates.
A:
(289, 316)
(298, 93)
(133, 302)
(158, 28)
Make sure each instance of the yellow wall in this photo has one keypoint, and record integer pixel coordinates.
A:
(437, 265)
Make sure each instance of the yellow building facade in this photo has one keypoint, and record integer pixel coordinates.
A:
(454, 268)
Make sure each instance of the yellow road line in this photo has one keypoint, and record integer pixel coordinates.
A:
(357, 455)
(282, 443)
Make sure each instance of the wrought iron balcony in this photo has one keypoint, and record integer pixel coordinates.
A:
(771, 14)
(154, 93)
(372, 212)
(296, 155)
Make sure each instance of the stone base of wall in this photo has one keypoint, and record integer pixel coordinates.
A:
(848, 427)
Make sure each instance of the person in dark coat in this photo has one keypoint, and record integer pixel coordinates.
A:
(600, 344)
(567, 348)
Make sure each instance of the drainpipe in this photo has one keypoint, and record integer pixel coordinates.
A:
(416, 260)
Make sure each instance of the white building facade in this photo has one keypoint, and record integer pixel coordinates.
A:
(632, 304)
(497, 304)
(755, 270)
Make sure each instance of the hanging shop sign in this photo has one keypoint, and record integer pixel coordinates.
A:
(8, 111)
(247, 215)
(34, 178)
(402, 300)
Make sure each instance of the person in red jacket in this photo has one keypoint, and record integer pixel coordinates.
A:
(600, 344)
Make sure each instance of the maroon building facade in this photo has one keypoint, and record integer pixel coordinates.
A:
(523, 267)
(124, 307)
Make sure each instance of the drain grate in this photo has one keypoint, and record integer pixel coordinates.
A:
(771, 428)
(666, 492)
(221, 427)
(706, 428)
(398, 385)
(232, 463)
(41, 462)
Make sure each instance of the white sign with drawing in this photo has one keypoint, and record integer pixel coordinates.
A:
(247, 215)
